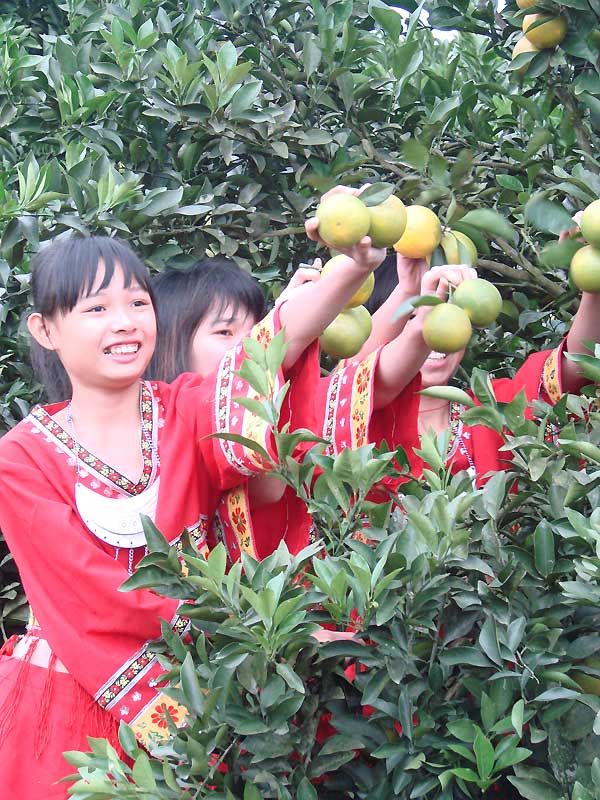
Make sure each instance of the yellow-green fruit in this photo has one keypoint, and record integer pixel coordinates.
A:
(344, 337)
(585, 269)
(590, 223)
(422, 234)
(480, 299)
(590, 684)
(363, 294)
(526, 3)
(455, 254)
(547, 35)
(388, 221)
(447, 328)
(343, 220)
(523, 45)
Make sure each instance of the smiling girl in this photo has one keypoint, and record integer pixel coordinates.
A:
(75, 476)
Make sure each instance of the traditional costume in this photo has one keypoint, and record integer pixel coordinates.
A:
(345, 416)
(476, 448)
(73, 526)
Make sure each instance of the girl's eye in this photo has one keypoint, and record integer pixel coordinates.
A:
(95, 308)
(141, 303)
(224, 332)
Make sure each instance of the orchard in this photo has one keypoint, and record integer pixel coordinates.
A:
(193, 127)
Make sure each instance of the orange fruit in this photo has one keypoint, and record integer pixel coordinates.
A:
(422, 234)
(547, 35)
(590, 223)
(585, 269)
(388, 221)
(344, 337)
(447, 328)
(343, 220)
(365, 291)
(526, 3)
(480, 299)
(523, 45)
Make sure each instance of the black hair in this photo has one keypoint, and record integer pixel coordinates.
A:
(61, 274)
(184, 298)
(386, 280)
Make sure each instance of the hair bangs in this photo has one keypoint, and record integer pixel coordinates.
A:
(67, 271)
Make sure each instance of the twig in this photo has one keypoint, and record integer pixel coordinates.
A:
(536, 273)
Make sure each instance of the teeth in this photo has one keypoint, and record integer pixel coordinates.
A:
(435, 356)
(122, 349)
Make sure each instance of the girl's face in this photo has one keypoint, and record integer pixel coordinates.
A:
(218, 332)
(108, 337)
(439, 368)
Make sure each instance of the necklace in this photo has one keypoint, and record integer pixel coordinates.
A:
(116, 521)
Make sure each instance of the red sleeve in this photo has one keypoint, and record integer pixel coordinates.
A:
(99, 633)
(210, 406)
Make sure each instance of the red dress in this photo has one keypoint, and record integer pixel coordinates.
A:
(345, 416)
(476, 448)
(85, 662)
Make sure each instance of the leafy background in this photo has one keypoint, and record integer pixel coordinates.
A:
(192, 127)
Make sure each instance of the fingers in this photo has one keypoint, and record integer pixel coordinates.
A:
(304, 275)
(438, 279)
(311, 226)
(342, 190)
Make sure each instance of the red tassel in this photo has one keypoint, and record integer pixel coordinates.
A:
(13, 699)
(42, 734)
(88, 719)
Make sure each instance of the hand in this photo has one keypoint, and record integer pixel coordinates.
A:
(301, 277)
(410, 273)
(366, 257)
(437, 280)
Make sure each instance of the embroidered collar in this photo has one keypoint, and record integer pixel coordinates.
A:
(44, 420)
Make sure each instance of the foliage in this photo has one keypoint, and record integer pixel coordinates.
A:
(473, 611)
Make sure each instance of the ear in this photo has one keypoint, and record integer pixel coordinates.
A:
(39, 330)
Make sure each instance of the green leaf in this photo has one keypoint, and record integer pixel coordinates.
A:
(491, 223)
(516, 717)
(195, 700)
(544, 215)
(543, 548)
(451, 393)
(484, 754)
(376, 193)
(388, 18)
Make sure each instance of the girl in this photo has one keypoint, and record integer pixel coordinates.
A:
(203, 309)
(74, 479)
(544, 376)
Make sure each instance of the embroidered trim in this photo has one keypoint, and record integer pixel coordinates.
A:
(65, 441)
(551, 376)
(122, 681)
(151, 725)
(456, 428)
(331, 407)
(361, 399)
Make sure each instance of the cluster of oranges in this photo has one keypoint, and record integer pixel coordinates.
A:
(541, 32)
(415, 232)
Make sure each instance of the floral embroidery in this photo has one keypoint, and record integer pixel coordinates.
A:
(239, 519)
(162, 714)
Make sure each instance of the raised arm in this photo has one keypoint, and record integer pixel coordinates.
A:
(584, 328)
(403, 357)
(386, 326)
(312, 306)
